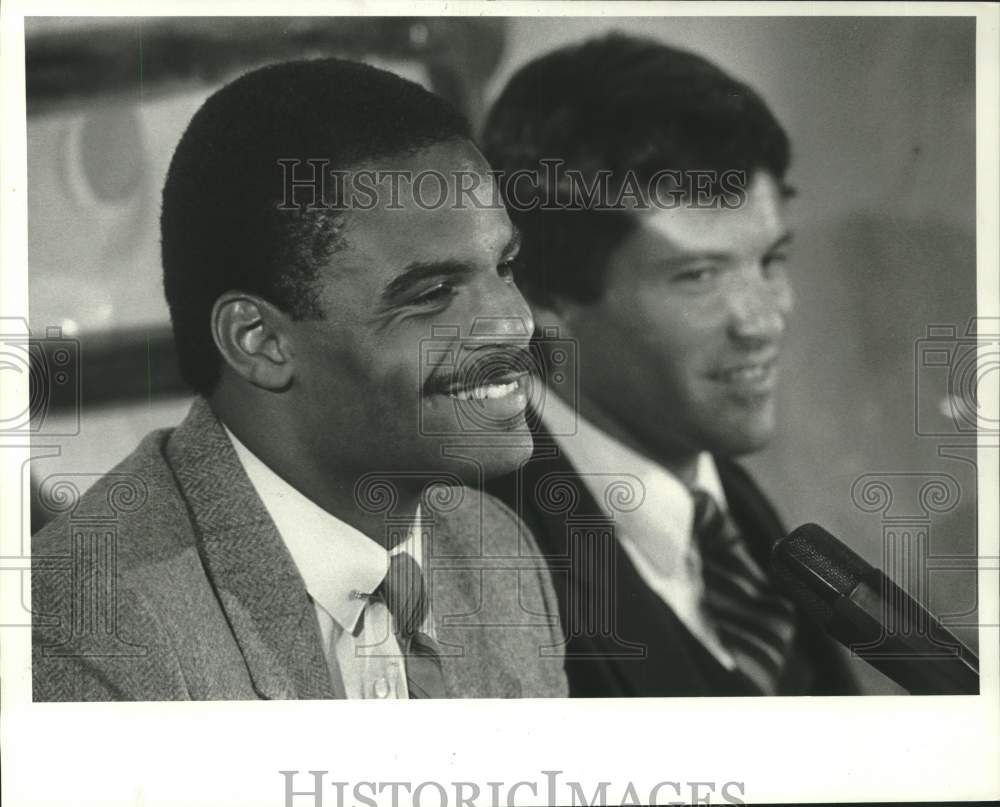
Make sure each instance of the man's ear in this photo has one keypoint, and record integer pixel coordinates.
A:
(252, 336)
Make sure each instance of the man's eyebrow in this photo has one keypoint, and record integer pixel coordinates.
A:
(682, 259)
(418, 271)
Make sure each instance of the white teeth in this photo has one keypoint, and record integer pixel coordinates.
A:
(486, 391)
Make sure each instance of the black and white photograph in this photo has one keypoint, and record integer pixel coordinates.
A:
(623, 374)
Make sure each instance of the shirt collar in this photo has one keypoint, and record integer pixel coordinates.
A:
(592, 451)
(706, 478)
(336, 560)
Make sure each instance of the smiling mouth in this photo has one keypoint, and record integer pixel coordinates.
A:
(755, 373)
(487, 392)
(752, 373)
(500, 387)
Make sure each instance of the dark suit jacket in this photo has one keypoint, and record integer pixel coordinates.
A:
(622, 639)
(168, 580)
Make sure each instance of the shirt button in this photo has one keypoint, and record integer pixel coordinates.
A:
(381, 688)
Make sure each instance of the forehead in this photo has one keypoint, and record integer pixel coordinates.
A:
(756, 223)
(421, 212)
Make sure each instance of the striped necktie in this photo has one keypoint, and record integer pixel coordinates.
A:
(754, 622)
(405, 597)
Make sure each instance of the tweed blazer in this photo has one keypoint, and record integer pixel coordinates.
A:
(168, 580)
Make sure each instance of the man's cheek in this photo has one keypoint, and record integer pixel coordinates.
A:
(439, 416)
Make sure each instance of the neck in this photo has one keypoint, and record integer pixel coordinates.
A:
(681, 461)
(382, 509)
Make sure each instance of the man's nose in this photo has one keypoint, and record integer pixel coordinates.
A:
(503, 315)
(759, 306)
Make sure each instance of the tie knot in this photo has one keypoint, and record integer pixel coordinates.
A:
(403, 592)
(712, 529)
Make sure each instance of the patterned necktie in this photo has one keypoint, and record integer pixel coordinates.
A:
(754, 622)
(406, 599)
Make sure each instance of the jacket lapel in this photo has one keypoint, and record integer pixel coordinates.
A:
(650, 653)
(476, 659)
(258, 586)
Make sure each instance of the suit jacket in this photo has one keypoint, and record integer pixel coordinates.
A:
(639, 647)
(168, 580)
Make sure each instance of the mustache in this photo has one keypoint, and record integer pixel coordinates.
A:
(494, 363)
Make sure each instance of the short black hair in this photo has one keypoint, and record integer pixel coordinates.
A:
(220, 225)
(618, 104)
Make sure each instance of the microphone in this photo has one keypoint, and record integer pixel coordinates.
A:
(860, 607)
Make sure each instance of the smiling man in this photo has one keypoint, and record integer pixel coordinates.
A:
(657, 252)
(297, 535)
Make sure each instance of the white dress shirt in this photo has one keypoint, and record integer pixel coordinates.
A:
(657, 535)
(338, 563)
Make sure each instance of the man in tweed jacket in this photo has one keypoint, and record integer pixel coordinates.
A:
(256, 548)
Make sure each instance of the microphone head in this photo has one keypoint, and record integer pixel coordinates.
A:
(815, 569)
(866, 612)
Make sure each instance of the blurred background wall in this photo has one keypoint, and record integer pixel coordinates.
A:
(876, 423)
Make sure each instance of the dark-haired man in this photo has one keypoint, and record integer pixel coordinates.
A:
(297, 535)
(659, 256)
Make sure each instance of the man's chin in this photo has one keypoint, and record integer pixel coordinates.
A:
(743, 439)
(475, 460)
